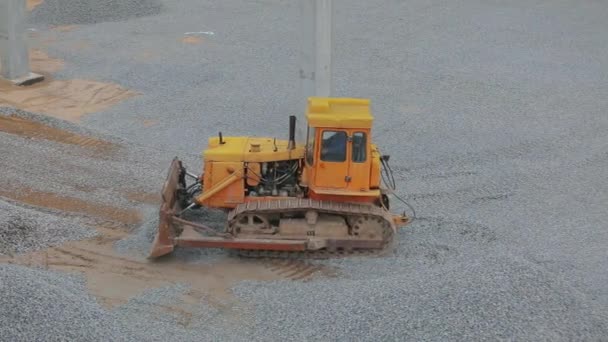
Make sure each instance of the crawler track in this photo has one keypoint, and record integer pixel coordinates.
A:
(350, 211)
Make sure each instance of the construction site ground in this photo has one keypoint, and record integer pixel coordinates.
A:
(494, 114)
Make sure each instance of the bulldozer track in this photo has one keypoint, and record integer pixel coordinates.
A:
(325, 207)
(297, 270)
(317, 255)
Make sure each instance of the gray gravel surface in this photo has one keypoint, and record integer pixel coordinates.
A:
(42, 305)
(46, 306)
(63, 12)
(488, 298)
(73, 171)
(24, 229)
(432, 288)
(494, 115)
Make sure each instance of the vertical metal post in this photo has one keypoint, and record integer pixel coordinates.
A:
(315, 52)
(14, 56)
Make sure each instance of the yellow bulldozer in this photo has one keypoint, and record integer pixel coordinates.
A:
(322, 199)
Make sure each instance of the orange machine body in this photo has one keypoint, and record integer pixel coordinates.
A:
(337, 163)
(323, 195)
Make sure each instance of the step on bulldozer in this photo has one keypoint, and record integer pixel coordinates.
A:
(321, 199)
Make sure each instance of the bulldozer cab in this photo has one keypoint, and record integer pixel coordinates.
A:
(338, 149)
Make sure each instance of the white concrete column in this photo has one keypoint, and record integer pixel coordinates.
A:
(316, 33)
(324, 33)
(316, 48)
(14, 56)
(308, 35)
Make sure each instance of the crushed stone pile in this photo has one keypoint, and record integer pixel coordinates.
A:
(47, 306)
(24, 229)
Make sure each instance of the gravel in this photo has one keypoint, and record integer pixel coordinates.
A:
(67, 169)
(138, 243)
(432, 288)
(69, 12)
(59, 124)
(43, 305)
(489, 298)
(47, 306)
(194, 322)
(24, 229)
(494, 117)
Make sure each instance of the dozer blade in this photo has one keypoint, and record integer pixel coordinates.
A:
(164, 242)
(175, 231)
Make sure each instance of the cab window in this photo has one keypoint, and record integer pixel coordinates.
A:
(310, 145)
(359, 147)
(333, 146)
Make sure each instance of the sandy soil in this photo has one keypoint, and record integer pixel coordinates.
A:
(33, 129)
(31, 4)
(64, 99)
(64, 28)
(192, 40)
(68, 204)
(42, 63)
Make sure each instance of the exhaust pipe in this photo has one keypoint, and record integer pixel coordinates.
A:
(292, 132)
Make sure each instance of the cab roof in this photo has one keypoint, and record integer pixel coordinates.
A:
(338, 112)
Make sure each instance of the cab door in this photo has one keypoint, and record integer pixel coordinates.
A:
(359, 162)
(332, 169)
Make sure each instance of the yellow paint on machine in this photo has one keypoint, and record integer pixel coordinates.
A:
(339, 112)
(250, 149)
